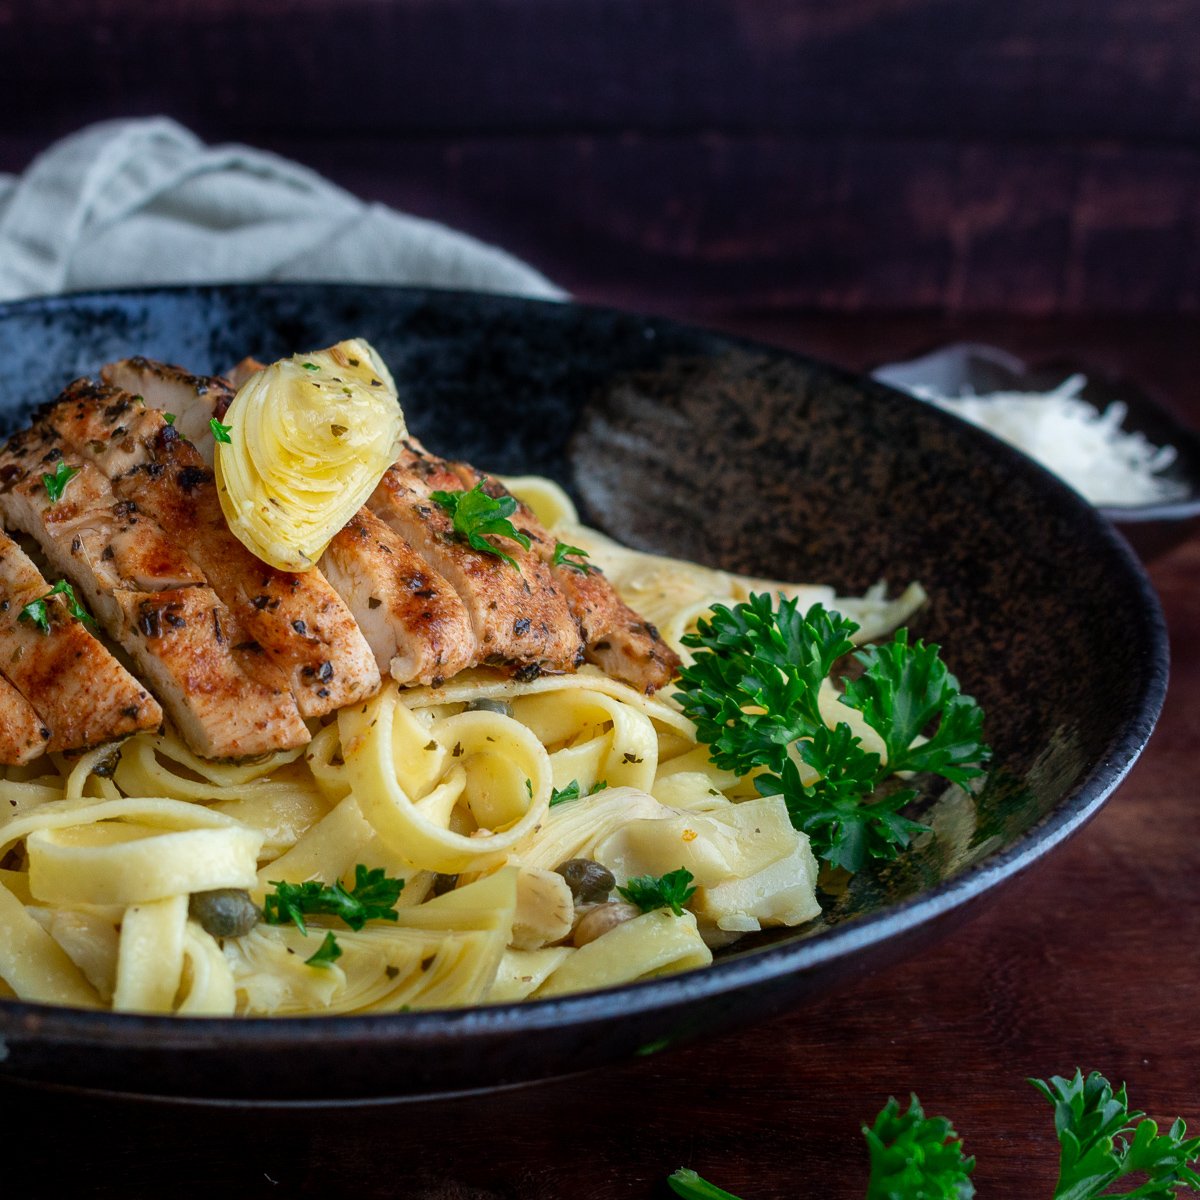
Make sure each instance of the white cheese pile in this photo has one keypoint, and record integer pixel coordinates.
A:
(1085, 447)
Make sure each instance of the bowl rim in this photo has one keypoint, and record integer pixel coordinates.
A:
(27, 1021)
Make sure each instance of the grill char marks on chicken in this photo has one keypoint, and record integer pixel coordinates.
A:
(193, 399)
(412, 618)
(465, 611)
(150, 597)
(518, 615)
(616, 639)
(295, 621)
(80, 694)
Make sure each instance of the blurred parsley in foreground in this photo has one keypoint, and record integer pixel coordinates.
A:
(1102, 1142)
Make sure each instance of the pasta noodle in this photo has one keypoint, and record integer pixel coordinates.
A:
(455, 790)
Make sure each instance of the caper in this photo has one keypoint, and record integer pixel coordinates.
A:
(224, 912)
(443, 884)
(496, 706)
(589, 882)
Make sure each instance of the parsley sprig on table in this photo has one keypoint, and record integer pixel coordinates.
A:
(56, 484)
(914, 1157)
(373, 897)
(753, 692)
(478, 516)
(666, 891)
(1093, 1123)
(37, 612)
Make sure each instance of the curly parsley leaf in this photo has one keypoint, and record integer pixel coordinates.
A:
(900, 692)
(1093, 1123)
(843, 830)
(477, 516)
(563, 554)
(914, 1157)
(753, 692)
(327, 953)
(56, 484)
(373, 897)
(37, 612)
(221, 432)
(572, 791)
(667, 891)
(690, 1186)
(169, 418)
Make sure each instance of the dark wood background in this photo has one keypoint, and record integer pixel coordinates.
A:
(696, 156)
(861, 181)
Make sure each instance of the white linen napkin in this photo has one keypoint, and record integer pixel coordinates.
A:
(144, 201)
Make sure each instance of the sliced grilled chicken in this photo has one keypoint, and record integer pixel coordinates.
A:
(413, 620)
(615, 637)
(80, 693)
(193, 399)
(518, 615)
(297, 621)
(23, 737)
(151, 599)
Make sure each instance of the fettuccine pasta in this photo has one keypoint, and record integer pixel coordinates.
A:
(456, 790)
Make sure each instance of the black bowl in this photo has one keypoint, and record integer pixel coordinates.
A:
(722, 451)
(1152, 529)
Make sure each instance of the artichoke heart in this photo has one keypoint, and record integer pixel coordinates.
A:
(308, 440)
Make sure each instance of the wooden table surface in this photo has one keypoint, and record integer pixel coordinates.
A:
(1089, 960)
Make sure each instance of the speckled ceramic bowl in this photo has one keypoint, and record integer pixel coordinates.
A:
(729, 453)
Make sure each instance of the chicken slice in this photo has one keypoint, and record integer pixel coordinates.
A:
(180, 636)
(193, 399)
(23, 737)
(412, 618)
(616, 639)
(519, 615)
(297, 621)
(80, 693)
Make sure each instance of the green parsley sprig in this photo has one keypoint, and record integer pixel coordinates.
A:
(221, 432)
(373, 897)
(327, 953)
(56, 484)
(914, 1157)
(1094, 1122)
(667, 891)
(37, 612)
(572, 791)
(477, 516)
(753, 692)
(686, 1183)
(564, 554)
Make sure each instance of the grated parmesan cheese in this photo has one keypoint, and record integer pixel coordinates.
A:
(1084, 447)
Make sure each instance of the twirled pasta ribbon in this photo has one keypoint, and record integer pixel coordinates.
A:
(502, 772)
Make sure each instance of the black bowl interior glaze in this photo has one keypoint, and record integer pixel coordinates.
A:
(684, 441)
